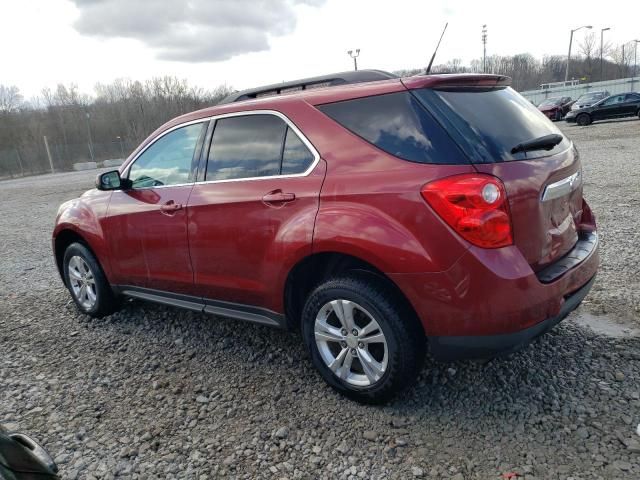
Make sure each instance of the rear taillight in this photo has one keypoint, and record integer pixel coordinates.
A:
(475, 206)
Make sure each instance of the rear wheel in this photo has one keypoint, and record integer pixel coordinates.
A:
(364, 342)
(86, 282)
(583, 119)
(558, 115)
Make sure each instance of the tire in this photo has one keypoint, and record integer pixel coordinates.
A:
(558, 115)
(583, 119)
(396, 361)
(81, 268)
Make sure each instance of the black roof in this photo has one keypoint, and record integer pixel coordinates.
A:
(333, 79)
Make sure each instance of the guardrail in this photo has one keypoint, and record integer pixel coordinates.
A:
(621, 85)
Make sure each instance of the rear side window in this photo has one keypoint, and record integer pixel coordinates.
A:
(251, 146)
(488, 123)
(245, 147)
(397, 124)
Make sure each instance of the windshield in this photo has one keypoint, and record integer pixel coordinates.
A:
(550, 102)
(590, 97)
(489, 123)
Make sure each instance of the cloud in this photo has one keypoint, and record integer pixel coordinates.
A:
(193, 30)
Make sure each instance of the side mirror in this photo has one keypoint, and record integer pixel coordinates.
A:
(111, 181)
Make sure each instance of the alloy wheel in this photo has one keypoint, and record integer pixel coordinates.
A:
(82, 282)
(351, 343)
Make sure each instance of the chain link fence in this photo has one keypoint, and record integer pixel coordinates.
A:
(34, 159)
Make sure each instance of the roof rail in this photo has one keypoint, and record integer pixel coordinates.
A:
(330, 80)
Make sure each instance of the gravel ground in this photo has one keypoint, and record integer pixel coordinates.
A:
(155, 392)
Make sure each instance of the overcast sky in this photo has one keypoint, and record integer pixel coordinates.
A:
(248, 43)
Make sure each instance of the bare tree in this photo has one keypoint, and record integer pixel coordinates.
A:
(10, 98)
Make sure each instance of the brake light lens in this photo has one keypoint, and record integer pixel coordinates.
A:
(475, 206)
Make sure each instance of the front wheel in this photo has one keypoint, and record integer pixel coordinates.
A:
(583, 119)
(86, 282)
(558, 115)
(365, 342)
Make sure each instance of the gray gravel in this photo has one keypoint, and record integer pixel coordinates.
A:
(155, 392)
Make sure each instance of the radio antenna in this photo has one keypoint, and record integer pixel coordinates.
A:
(436, 50)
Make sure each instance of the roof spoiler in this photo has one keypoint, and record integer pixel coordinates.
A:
(331, 80)
(460, 81)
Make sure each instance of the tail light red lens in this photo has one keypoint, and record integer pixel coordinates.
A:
(475, 206)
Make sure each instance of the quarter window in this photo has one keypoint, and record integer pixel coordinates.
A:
(168, 160)
(251, 146)
(296, 157)
(397, 124)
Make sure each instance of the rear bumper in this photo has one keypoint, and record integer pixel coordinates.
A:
(490, 346)
(491, 301)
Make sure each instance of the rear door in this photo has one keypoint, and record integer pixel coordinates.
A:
(488, 123)
(252, 217)
(631, 104)
(147, 224)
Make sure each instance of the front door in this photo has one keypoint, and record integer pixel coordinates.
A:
(147, 223)
(253, 216)
(610, 108)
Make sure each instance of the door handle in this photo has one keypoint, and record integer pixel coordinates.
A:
(278, 197)
(170, 207)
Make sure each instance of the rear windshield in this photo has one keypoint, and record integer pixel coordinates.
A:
(398, 124)
(487, 124)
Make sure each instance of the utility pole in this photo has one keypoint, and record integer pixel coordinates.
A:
(601, 50)
(46, 146)
(121, 146)
(355, 57)
(484, 48)
(89, 134)
(566, 73)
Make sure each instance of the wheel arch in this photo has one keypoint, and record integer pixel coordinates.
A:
(311, 270)
(61, 242)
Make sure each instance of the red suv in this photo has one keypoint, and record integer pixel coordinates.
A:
(369, 212)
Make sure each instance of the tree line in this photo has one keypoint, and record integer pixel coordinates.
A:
(119, 115)
(528, 72)
(80, 128)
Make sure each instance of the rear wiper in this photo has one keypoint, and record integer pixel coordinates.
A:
(546, 142)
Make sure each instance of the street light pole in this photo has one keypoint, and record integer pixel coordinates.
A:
(355, 57)
(635, 59)
(566, 73)
(484, 48)
(601, 49)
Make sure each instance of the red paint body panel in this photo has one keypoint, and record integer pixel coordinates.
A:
(227, 244)
(148, 247)
(242, 249)
(489, 292)
(84, 216)
(543, 231)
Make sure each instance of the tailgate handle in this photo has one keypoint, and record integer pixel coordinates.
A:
(561, 187)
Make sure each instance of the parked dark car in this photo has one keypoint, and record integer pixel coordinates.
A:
(556, 108)
(21, 458)
(615, 106)
(588, 99)
(372, 216)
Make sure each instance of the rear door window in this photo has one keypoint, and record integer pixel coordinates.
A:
(247, 146)
(397, 124)
(251, 146)
(488, 123)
